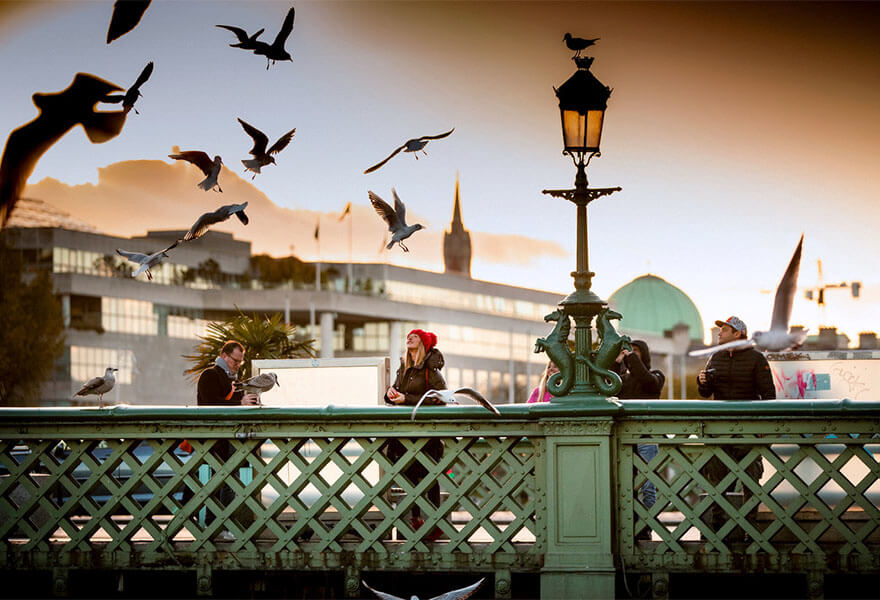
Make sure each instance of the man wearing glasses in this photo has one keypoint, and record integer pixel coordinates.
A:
(215, 384)
(215, 389)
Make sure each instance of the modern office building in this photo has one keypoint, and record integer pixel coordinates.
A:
(487, 331)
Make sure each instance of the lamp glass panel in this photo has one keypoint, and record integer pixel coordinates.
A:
(594, 127)
(580, 132)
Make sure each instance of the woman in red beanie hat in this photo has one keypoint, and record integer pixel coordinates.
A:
(419, 372)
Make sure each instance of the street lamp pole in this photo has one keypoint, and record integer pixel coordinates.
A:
(585, 376)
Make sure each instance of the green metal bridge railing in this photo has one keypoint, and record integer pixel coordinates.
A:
(546, 490)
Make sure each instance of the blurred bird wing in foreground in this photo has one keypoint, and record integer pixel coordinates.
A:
(59, 112)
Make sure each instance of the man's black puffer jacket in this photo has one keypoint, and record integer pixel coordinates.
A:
(738, 375)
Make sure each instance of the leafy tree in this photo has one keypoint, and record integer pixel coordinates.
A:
(262, 338)
(31, 329)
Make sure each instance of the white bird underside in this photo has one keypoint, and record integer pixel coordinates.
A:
(778, 337)
(460, 594)
(448, 397)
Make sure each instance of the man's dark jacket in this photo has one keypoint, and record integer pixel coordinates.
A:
(215, 389)
(739, 375)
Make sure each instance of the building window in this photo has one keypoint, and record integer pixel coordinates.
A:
(87, 362)
(124, 315)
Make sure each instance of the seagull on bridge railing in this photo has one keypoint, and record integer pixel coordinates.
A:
(448, 397)
(99, 386)
(461, 594)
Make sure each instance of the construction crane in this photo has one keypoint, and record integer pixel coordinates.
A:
(817, 294)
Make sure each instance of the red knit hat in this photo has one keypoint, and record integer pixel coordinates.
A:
(429, 340)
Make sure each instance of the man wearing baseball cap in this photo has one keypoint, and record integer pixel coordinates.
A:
(734, 374)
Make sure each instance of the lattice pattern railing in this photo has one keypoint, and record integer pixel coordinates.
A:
(138, 493)
(809, 487)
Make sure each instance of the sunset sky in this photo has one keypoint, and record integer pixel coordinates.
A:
(732, 129)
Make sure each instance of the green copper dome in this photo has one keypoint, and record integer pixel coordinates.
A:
(651, 304)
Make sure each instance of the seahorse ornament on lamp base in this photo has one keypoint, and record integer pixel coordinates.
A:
(584, 377)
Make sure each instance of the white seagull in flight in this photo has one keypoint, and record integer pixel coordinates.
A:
(448, 397)
(395, 218)
(778, 338)
(146, 261)
(413, 145)
(211, 168)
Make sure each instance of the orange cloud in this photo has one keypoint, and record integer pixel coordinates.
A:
(132, 197)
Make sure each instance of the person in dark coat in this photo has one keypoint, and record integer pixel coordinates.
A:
(215, 389)
(737, 374)
(640, 382)
(419, 372)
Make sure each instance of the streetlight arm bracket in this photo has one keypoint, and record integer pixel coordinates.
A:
(582, 196)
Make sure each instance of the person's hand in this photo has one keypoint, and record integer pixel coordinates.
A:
(701, 377)
(623, 354)
(250, 400)
(394, 396)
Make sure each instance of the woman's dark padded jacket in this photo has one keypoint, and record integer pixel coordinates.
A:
(420, 378)
(738, 375)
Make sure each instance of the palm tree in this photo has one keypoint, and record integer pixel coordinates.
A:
(262, 337)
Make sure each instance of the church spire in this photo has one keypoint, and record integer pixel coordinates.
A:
(457, 241)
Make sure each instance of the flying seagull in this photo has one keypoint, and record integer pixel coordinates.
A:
(211, 168)
(395, 218)
(99, 386)
(126, 15)
(134, 92)
(778, 338)
(212, 218)
(461, 594)
(448, 397)
(261, 156)
(413, 145)
(146, 261)
(59, 113)
(258, 384)
(578, 44)
(275, 50)
(245, 42)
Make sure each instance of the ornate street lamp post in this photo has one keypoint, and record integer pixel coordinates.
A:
(584, 375)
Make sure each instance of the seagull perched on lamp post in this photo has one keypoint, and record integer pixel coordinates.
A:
(211, 168)
(778, 337)
(461, 594)
(413, 145)
(395, 218)
(448, 397)
(99, 386)
(578, 44)
(202, 224)
(261, 156)
(133, 93)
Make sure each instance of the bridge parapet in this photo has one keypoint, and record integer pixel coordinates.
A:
(544, 490)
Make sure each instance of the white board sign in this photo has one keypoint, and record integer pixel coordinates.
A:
(319, 382)
(829, 375)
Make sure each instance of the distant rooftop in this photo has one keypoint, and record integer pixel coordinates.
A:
(31, 212)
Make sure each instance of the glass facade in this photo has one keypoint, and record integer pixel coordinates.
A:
(124, 315)
(87, 362)
(482, 303)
